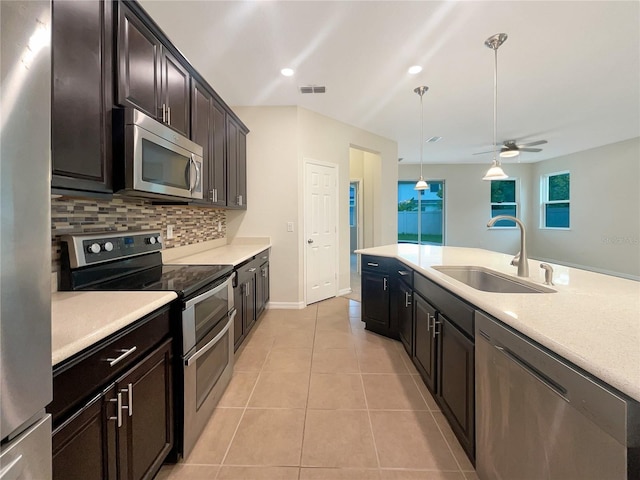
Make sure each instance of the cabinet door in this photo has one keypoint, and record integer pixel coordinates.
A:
(424, 356)
(175, 93)
(249, 303)
(84, 446)
(375, 300)
(139, 56)
(262, 288)
(81, 95)
(456, 383)
(238, 321)
(404, 308)
(201, 126)
(146, 436)
(218, 161)
(236, 165)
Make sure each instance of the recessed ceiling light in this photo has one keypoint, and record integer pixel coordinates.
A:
(287, 72)
(415, 69)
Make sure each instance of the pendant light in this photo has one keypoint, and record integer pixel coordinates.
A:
(495, 172)
(421, 184)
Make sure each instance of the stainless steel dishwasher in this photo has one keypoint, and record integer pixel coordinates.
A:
(540, 418)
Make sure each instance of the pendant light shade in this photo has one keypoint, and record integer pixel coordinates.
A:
(421, 184)
(495, 172)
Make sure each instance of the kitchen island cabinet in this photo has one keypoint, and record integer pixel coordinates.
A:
(113, 404)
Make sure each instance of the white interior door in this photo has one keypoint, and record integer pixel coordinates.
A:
(320, 231)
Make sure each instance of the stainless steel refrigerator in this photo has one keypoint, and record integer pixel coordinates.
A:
(25, 244)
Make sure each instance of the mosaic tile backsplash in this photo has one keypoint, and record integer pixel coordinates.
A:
(190, 224)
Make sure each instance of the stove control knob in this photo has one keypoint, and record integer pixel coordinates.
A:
(159, 239)
(107, 247)
(150, 240)
(93, 248)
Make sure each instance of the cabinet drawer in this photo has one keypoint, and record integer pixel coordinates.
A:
(456, 310)
(87, 373)
(262, 257)
(381, 264)
(404, 274)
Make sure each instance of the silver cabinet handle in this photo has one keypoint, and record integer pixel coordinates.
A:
(13, 470)
(407, 300)
(164, 113)
(125, 354)
(403, 273)
(211, 196)
(371, 264)
(239, 200)
(118, 402)
(169, 115)
(435, 327)
(129, 392)
(384, 284)
(252, 269)
(428, 322)
(246, 289)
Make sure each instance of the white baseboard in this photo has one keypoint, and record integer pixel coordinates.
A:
(344, 291)
(286, 305)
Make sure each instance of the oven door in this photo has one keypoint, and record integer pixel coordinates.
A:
(160, 166)
(207, 372)
(201, 313)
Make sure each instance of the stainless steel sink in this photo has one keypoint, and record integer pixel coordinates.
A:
(488, 280)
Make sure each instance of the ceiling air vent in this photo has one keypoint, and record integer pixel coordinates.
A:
(312, 89)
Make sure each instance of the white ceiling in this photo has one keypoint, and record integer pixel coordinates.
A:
(569, 72)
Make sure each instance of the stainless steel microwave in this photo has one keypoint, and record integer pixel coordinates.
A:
(152, 160)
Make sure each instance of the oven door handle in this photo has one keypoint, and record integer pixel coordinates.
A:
(207, 294)
(212, 342)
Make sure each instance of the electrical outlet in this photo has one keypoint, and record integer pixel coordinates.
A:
(219, 227)
(289, 226)
(169, 232)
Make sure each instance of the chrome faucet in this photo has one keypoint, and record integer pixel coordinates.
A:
(520, 260)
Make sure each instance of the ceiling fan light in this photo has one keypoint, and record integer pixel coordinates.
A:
(509, 153)
(421, 184)
(495, 172)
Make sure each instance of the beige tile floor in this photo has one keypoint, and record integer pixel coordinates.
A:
(316, 397)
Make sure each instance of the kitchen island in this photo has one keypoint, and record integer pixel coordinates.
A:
(592, 320)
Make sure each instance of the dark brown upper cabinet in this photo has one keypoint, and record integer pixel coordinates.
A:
(208, 130)
(149, 77)
(236, 164)
(82, 97)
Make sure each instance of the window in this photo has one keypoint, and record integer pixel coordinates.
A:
(503, 201)
(353, 212)
(431, 217)
(555, 190)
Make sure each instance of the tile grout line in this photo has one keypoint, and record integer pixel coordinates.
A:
(306, 406)
(244, 411)
(448, 444)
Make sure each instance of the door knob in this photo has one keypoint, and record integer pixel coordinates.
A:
(310, 241)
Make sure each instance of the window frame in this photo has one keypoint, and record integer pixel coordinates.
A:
(544, 199)
(516, 181)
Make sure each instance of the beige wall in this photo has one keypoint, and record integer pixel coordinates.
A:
(281, 139)
(605, 210)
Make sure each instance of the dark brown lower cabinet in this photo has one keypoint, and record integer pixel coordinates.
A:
(126, 431)
(404, 312)
(456, 382)
(425, 344)
(250, 294)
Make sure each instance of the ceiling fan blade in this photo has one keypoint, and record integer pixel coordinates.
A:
(530, 149)
(483, 153)
(531, 144)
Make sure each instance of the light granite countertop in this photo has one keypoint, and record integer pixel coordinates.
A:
(215, 253)
(593, 320)
(80, 319)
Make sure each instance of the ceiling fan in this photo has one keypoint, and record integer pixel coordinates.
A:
(510, 148)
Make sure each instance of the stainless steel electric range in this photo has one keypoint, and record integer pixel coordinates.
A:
(204, 320)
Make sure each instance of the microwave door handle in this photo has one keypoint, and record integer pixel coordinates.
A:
(198, 172)
(192, 168)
